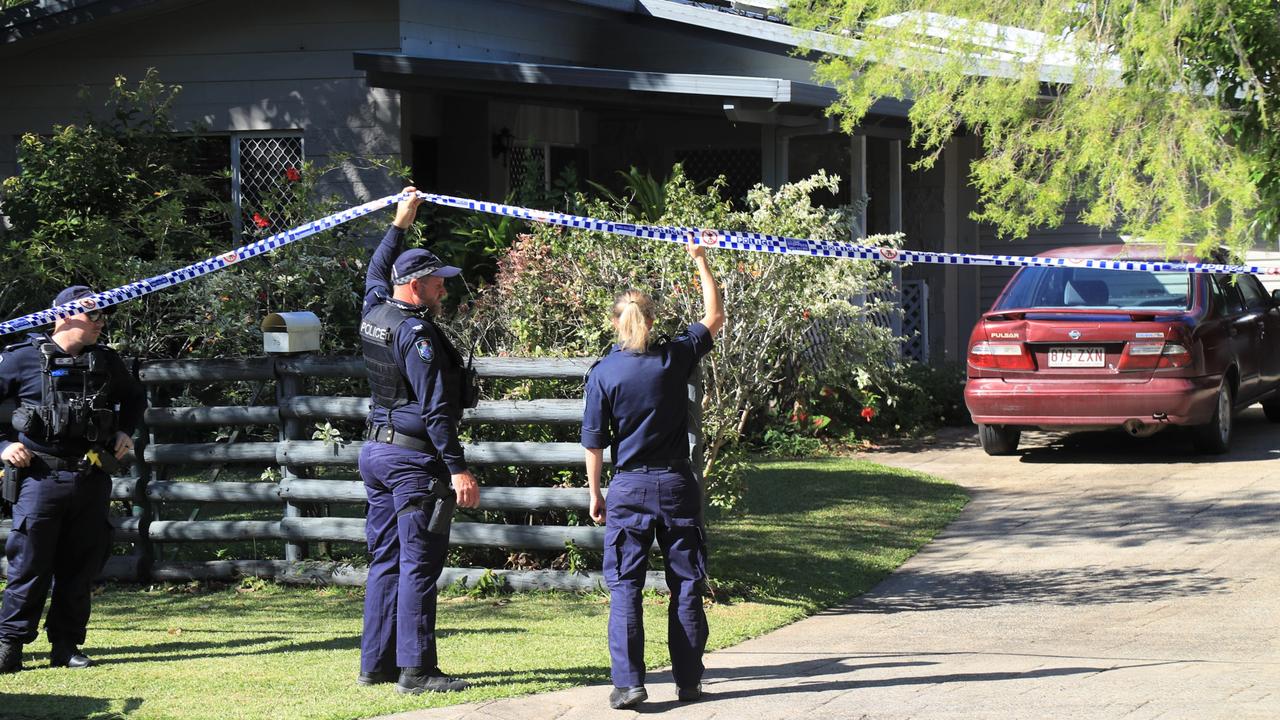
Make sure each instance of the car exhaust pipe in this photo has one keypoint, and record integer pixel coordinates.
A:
(1137, 428)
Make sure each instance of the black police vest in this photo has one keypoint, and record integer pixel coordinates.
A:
(377, 338)
(75, 399)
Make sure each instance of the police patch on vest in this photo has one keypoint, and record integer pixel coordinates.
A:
(424, 349)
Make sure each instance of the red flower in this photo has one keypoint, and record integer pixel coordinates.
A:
(292, 174)
(260, 221)
(806, 314)
(868, 413)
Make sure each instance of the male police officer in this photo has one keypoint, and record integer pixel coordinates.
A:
(78, 408)
(419, 388)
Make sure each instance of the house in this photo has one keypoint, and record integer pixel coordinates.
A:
(474, 94)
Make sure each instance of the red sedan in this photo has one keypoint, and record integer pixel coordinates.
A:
(1077, 348)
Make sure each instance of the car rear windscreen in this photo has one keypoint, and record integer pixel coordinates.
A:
(1041, 287)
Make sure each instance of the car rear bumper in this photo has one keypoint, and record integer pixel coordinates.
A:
(1179, 401)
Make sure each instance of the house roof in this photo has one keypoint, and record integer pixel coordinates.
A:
(598, 85)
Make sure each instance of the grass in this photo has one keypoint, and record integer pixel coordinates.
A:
(813, 533)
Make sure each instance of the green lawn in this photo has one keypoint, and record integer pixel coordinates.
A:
(813, 533)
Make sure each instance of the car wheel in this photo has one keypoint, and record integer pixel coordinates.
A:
(999, 439)
(1214, 437)
(1272, 409)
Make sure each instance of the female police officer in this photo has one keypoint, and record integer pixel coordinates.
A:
(637, 403)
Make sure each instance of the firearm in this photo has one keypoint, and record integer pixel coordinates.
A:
(11, 484)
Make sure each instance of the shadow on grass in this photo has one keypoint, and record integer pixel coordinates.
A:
(816, 534)
(38, 707)
(262, 645)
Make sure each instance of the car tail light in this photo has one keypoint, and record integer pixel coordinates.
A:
(1000, 356)
(1155, 356)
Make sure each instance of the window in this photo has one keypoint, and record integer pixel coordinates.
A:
(1255, 296)
(1229, 295)
(1041, 287)
(262, 167)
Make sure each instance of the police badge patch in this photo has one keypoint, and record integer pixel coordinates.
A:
(424, 349)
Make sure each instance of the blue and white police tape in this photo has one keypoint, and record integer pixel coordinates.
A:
(137, 289)
(780, 245)
(709, 237)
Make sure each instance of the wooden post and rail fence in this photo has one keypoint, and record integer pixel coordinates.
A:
(292, 415)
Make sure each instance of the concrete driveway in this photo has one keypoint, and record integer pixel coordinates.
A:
(1093, 576)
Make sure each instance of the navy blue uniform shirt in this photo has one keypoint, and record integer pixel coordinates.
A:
(20, 379)
(638, 404)
(434, 409)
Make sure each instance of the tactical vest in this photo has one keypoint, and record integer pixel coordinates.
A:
(377, 338)
(75, 399)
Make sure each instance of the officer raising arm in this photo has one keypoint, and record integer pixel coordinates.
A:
(78, 407)
(636, 402)
(412, 461)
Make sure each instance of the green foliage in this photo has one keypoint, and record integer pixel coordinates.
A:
(920, 398)
(112, 200)
(1139, 122)
(789, 444)
(644, 197)
(487, 585)
(787, 316)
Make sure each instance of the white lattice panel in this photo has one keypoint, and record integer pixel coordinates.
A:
(263, 168)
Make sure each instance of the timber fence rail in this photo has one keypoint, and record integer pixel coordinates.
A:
(293, 413)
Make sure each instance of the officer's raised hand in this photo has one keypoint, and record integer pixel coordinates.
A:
(466, 488)
(122, 446)
(17, 455)
(407, 210)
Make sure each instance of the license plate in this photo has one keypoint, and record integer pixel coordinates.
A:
(1077, 357)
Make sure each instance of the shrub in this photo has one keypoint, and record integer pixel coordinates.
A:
(788, 317)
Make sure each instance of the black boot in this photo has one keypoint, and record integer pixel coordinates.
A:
(378, 677)
(68, 656)
(10, 657)
(623, 698)
(690, 694)
(419, 680)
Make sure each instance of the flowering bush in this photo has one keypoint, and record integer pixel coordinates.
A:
(792, 322)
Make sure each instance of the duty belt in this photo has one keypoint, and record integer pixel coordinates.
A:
(388, 434)
(55, 462)
(646, 465)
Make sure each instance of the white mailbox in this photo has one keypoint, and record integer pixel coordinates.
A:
(291, 332)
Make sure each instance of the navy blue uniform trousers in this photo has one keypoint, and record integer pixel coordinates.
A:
(407, 559)
(61, 537)
(664, 502)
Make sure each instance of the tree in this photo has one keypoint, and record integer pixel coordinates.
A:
(1156, 117)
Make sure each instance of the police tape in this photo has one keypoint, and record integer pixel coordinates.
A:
(137, 289)
(709, 237)
(782, 245)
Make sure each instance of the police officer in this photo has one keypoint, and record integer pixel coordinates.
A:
(637, 404)
(78, 407)
(410, 460)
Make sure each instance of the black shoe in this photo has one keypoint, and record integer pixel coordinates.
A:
(378, 677)
(689, 694)
(69, 656)
(415, 681)
(10, 657)
(623, 698)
